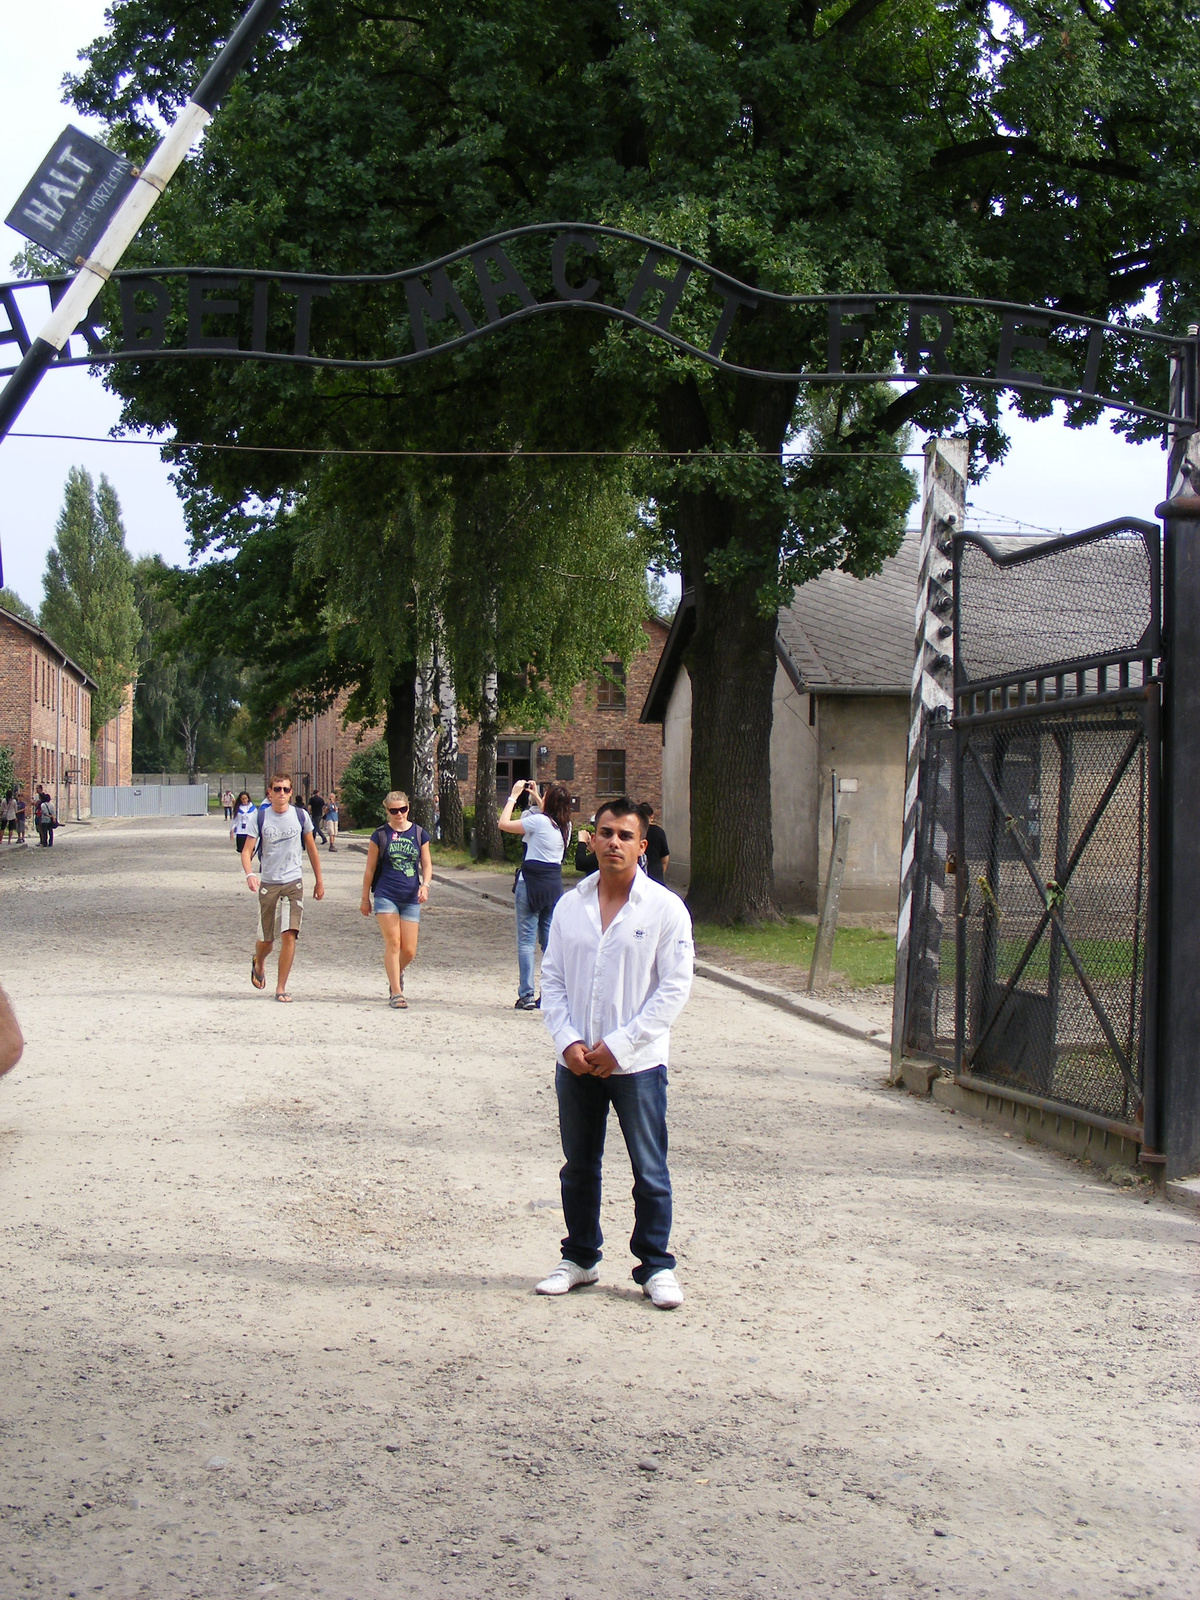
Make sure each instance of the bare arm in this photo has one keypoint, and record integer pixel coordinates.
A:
(426, 874)
(368, 878)
(508, 823)
(314, 855)
(248, 864)
(12, 1042)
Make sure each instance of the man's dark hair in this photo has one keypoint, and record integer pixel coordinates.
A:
(621, 806)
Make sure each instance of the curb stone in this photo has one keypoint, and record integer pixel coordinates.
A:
(825, 1016)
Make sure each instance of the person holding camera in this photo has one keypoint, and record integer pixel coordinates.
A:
(538, 885)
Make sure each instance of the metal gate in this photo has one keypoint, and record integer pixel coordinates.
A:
(1032, 965)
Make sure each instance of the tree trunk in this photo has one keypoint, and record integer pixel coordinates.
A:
(424, 746)
(489, 841)
(449, 798)
(731, 659)
(732, 666)
(398, 727)
(191, 738)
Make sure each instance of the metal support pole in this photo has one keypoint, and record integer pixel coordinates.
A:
(943, 509)
(1177, 1111)
(133, 210)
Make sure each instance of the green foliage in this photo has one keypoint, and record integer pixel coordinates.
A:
(365, 781)
(940, 147)
(187, 710)
(10, 600)
(89, 607)
(8, 769)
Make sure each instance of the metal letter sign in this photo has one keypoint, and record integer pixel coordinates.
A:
(76, 189)
(549, 268)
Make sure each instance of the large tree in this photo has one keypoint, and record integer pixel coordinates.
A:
(89, 607)
(188, 710)
(1037, 154)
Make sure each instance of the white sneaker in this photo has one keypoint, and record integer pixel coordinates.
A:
(566, 1276)
(663, 1289)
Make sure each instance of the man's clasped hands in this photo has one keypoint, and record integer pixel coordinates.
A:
(597, 1062)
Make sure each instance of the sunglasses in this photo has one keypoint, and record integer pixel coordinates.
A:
(280, 788)
(396, 811)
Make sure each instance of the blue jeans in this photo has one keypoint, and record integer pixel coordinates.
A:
(640, 1101)
(533, 928)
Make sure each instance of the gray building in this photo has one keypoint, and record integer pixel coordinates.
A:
(844, 650)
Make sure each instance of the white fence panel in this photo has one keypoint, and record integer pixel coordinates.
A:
(150, 800)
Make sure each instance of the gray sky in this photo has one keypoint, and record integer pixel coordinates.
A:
(1054, 478)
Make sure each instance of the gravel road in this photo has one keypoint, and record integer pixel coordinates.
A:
(267, 1320)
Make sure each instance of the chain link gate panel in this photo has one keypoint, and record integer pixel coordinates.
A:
(1055, 778)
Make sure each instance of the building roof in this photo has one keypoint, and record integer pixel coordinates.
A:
(55, 649)
(844, 635)
(840, 635)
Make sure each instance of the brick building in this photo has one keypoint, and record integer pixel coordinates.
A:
(45, 708)
(316, 750)
(600, 748)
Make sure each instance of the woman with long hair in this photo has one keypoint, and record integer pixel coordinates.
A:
(399, 872)
(538, 886)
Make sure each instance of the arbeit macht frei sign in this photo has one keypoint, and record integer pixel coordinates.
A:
(545, 269)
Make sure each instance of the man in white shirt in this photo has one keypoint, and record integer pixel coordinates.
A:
(617, 973)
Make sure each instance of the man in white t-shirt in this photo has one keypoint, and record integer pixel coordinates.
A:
(285, 834)
(617, 973)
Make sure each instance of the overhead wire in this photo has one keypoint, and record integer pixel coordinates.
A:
(459, 455)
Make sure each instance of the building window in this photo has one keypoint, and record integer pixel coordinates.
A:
(610, 691)
(462, 767)
(610, 772)
(564, 769)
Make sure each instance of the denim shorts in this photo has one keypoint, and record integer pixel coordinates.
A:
(409, 912)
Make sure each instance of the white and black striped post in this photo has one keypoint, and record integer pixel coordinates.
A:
(133, 210)
(943, 508)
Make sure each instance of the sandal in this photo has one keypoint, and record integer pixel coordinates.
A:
(397, 1002)
(257, 978)
(284, 998)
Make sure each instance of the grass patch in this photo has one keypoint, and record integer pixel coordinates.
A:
(862, 955)
(1104, 960)
(443, 856)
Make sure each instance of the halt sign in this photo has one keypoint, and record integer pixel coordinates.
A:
(72, 196)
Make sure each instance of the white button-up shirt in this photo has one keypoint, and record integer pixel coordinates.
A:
(624, 985)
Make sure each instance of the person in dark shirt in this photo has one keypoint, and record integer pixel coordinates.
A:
(316, 810)
(398, 874)
(585, 856)
(658, 852)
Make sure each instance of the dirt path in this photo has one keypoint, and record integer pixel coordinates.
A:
(268, 1328)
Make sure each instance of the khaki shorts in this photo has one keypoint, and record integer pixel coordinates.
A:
(280, 908)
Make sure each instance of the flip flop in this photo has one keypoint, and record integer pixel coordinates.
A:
(257, 978)
(284, 999)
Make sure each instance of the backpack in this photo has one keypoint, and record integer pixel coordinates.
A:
(263, 807)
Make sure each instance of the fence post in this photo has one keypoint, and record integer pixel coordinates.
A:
(1172, 1105)
(943, 509)
(822, 959)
